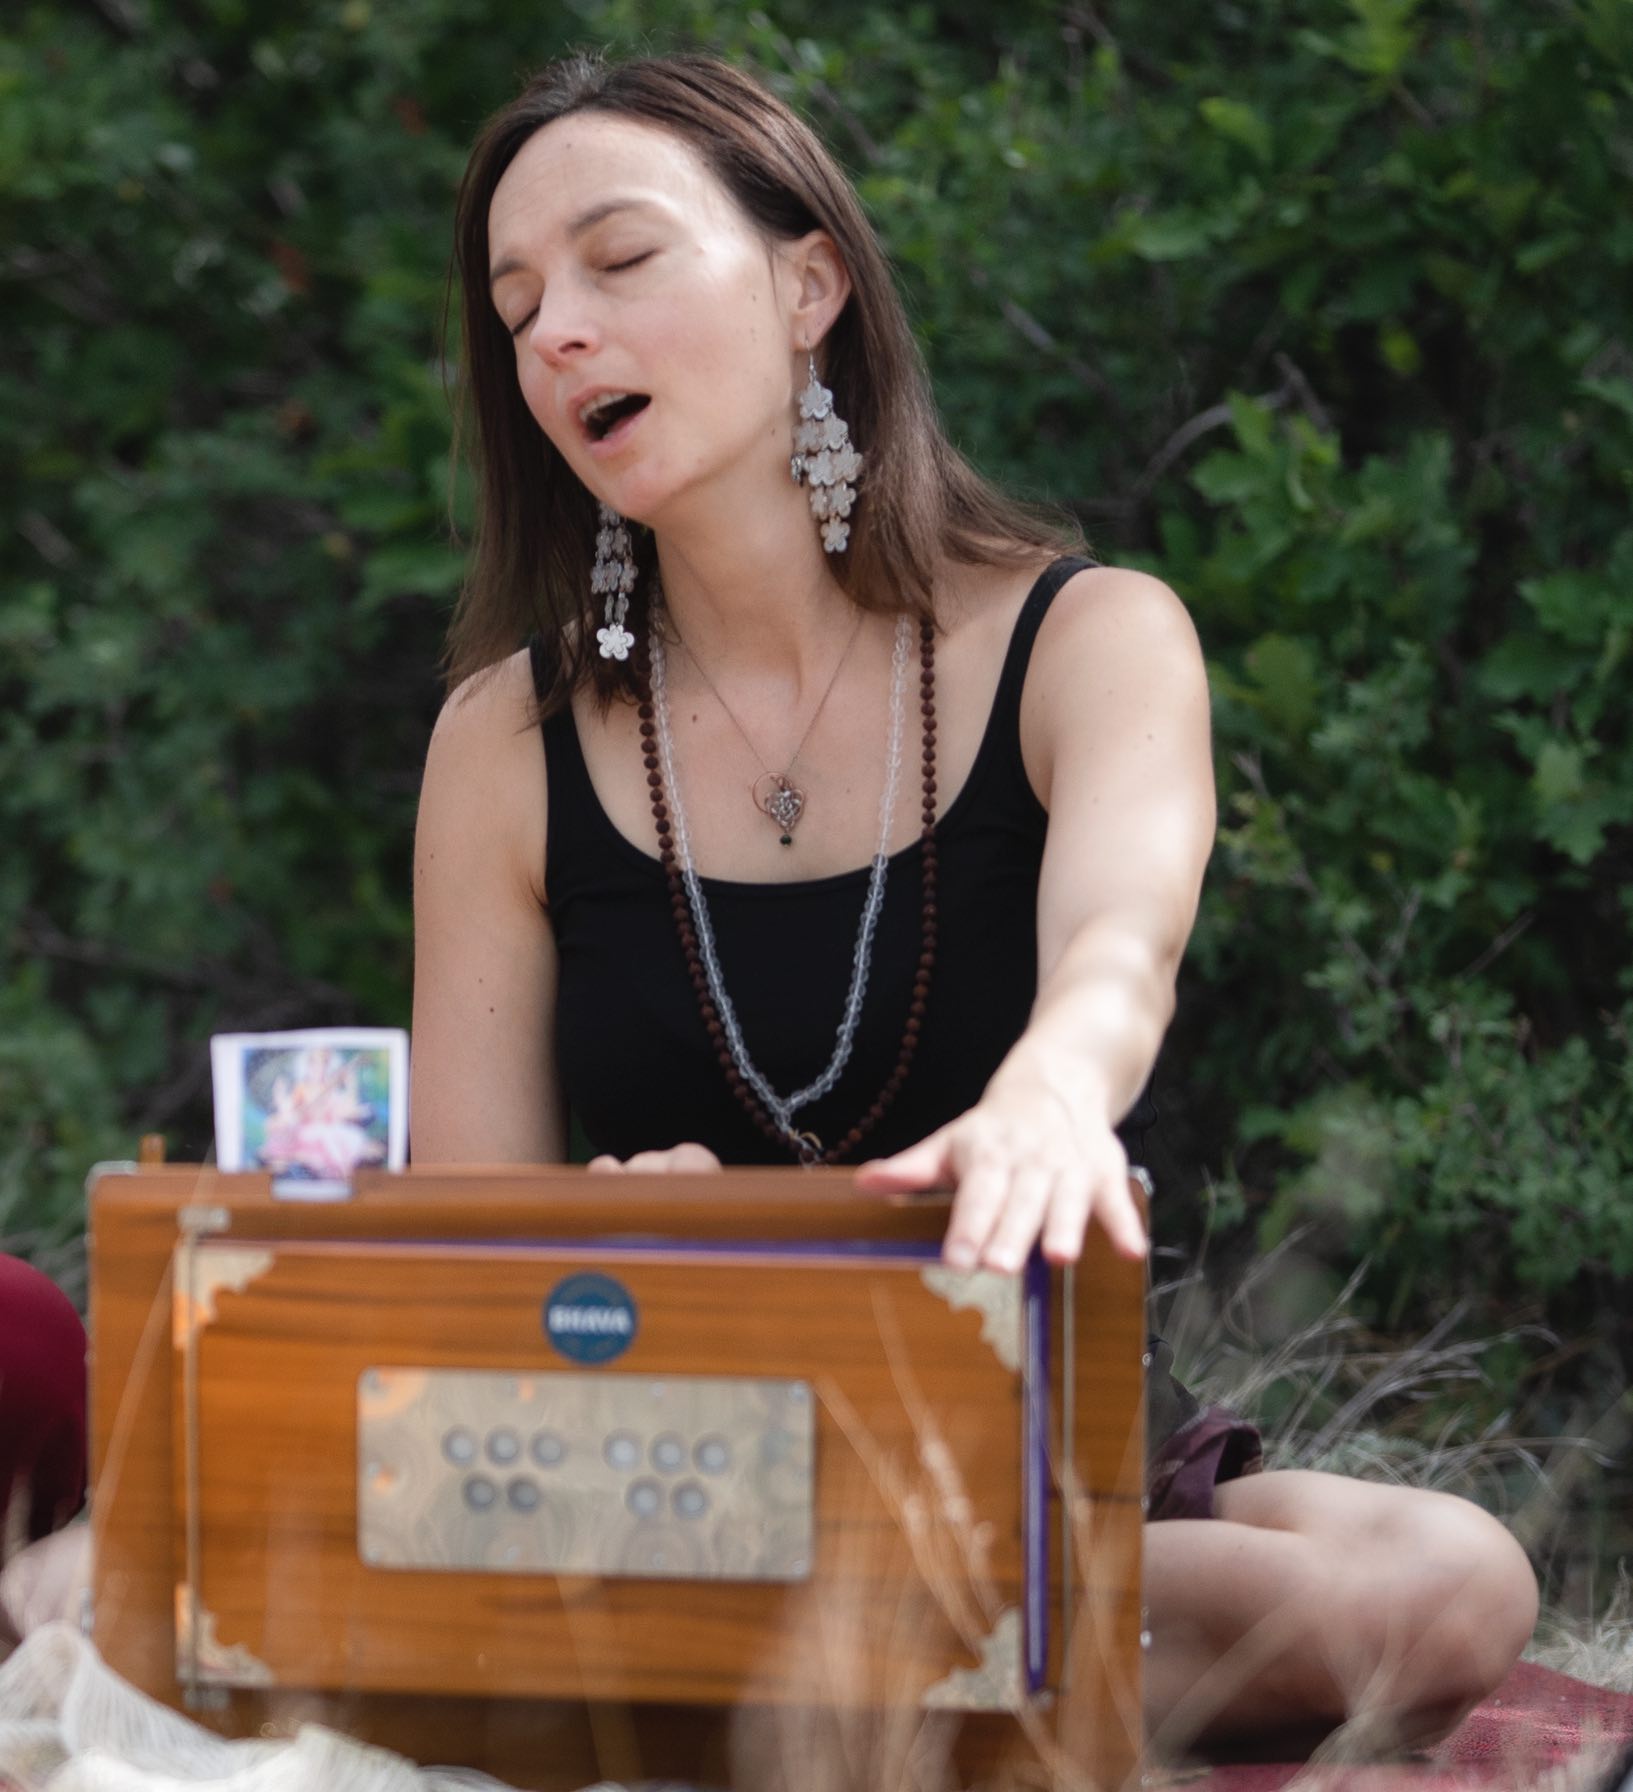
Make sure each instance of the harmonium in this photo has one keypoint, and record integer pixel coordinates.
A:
(710, 1477)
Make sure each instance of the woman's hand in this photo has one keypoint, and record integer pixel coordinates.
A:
(677, 1157)
(1025, 1162)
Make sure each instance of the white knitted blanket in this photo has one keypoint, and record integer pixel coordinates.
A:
(68, 1723)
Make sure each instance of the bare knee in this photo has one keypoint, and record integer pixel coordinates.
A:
(1385, 1608)
(1425, 1600)
(1446, 1600)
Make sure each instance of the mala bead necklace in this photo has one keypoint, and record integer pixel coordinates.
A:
(696, 937)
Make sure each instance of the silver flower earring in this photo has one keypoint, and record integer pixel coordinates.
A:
(825, 461)
(613, 576)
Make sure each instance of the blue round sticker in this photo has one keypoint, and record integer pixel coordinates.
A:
(590, 1318)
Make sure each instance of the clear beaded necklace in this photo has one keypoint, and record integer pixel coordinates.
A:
(782, 1109)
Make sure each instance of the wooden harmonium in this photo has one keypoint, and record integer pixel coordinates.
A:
(682, 1445)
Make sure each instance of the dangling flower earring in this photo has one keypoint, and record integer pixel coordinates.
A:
(825, 461)
(613, 576)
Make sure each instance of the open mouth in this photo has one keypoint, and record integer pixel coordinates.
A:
(603, 414)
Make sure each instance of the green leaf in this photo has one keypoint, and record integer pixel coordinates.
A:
(1238, 122)
(1400, 351)
(410, 571)
(1559, 772)
(1533, 257)
(1612, 390)
(1171, 236)
(1288, 684)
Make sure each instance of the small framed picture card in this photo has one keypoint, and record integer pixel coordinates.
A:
(312, 1107)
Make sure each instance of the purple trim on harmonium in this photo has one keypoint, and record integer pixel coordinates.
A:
(906, 1250)
(1035, 1471)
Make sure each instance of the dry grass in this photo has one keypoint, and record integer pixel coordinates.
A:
(1598, 1649)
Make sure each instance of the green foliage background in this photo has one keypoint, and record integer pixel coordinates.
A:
(1320, 308)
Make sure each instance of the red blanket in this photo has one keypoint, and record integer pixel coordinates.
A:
(1537, 1720)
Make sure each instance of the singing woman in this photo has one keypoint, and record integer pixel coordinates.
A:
(803, 799)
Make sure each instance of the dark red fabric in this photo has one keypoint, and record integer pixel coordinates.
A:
(1216, 1445)
(1536, 1721)
(42, 1402)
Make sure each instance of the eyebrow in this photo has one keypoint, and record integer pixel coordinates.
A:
(586, 220)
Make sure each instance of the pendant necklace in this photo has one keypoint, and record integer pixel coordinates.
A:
(775, 794)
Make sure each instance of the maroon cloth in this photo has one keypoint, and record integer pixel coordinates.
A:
(1536, 1721)
(1185, 1467)
(1189, 1448)
(42, 1403)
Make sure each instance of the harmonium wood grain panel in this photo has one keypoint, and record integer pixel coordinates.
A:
(494, 1442)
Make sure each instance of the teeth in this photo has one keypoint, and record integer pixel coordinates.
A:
(599, 403)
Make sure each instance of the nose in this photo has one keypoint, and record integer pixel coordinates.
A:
(562, 331)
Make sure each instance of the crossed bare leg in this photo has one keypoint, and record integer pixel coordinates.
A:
(1313, 1600)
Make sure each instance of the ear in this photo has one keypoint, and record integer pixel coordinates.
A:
(818, 284)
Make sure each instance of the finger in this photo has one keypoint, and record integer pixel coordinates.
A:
(925, 1165)
(1067, 1219)
(692, 1158)
(980, 1198)
(1116, 1207)
(685, 1158)
(1119, 1216)
(1020, 1218)
(647, 1163)
(606, 1161)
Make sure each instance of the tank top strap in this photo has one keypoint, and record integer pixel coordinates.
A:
(573, 808)
(1004, 723)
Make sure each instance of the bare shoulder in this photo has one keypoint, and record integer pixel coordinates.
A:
(489, 707)
(1119, 634)
(1101, 606)
(1117, 660)
(1118, 611)
(484, 792)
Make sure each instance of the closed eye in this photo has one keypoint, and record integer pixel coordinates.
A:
(616, 267)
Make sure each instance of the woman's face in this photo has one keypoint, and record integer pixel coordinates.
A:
(654, 332)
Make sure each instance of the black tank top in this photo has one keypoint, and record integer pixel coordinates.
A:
(637, 1067)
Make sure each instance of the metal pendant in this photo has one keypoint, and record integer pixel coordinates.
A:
(782, 801)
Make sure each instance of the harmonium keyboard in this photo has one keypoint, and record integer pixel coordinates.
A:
(560, 1476)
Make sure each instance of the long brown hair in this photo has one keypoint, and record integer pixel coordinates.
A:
(534, 542)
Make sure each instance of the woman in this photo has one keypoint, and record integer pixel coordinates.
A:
(819, 642)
